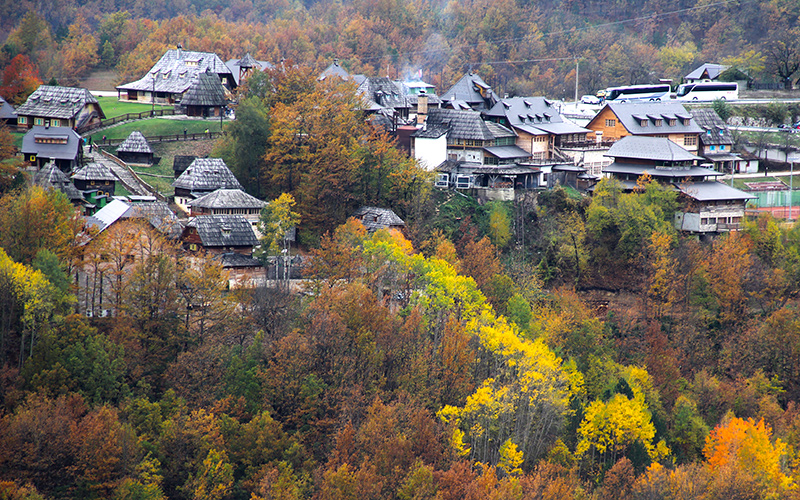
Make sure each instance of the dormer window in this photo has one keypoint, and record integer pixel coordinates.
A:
(643, 123)
(685, 121)
(657, 122)
(673, 122)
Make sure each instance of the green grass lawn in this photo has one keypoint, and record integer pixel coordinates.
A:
(113, 107)
(158, 126)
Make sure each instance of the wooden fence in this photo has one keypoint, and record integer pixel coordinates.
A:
(124, 118)
(163, 138)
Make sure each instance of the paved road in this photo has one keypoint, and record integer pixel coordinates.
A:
(131, 183)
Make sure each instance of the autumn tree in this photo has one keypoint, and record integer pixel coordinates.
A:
(243, 146)
(20, 79)
(78, 51)
(277, 220)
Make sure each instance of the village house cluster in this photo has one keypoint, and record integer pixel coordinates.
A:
(492, 147)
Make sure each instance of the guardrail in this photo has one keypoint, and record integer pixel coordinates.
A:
(123, 118)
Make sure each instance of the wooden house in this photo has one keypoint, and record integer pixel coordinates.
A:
(206, 97)
(242, 68)
(706, 72)
(716, 141)
(374, 218)
(135, 149)
(61, 145)
(707, 206)
(647, 119)
(50, 106)
(173, 75)
(218, 234)
(470, 92)
(381, 95)
(96, 182)
(229, 202)
(540, 128)
(51, 177)
(202, 177)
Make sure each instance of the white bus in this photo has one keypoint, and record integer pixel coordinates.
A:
(708, 91)
(638, 93)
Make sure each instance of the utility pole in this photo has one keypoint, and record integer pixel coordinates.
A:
(576, 81)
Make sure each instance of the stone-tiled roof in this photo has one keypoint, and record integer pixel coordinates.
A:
(649, 148)
(63, 103)
(206, 90)
(176, 69)
(657, 117)
(375, 218)
(94, 172)
(228, 198)
(715, 131)
(207, 174)
(59, 143)
(223, 230)
(472, 90)
(51, 177)
(135, 143)
(462, 124)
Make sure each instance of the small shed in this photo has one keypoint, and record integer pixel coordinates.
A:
(206, 97)
(50, 177)
(96, 182)
(135, 149)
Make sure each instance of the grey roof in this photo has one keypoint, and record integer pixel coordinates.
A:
(224, 230)
(468, 89)
(649, 148)
(232, 260)
(375, 218)
(228, 198)
(462, 124)
(207, 174)
(715, 131)
(51, 176)
(712, 71)
(134, 143)
(335, 70)
(157, 213)
(712, 191)
(722, 157)
(506, 152)
(182, 162)
(675, 173)
(534, 115)
(515, 169)
(631, 114)
(57, 102)
(383, 91)
(36, 141)
(7, 111)
(94, 172)
(176, 69)
(247, 61)
(206, 90)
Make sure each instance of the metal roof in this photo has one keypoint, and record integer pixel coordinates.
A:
(247, 61)
(626, 111)
(506, 152)
(207, 174)
(671, 173)
(37, 141)
(712, 191)
(7, 111)
(467, 90)
(712, 71)
(57, 102)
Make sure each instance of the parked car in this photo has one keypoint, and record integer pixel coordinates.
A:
(590, 99)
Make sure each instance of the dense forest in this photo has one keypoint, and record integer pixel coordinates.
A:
(521, 48)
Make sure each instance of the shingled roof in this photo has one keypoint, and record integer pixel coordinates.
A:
(228, 198)
(207, 174)
(383, 92)
(247, 62)
(461, 124)
(157, 213)
(472, 90)
(224, 231)
(63, 103)
(334, 70)
(206, 90)
(715, 131)
(374, 218)
(708, 71)
(135, 143)
(50, 177)
(176, 69)
(94, 172)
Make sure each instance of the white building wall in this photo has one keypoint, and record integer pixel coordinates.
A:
(430, 153)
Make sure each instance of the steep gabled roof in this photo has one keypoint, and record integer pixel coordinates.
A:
(157, 213)
(462, 124)
(247, 62)
(134, 143)
(228, 198)
(708, 70)
(334, 70)
(632, 114)
(649, 148)
(63, 103)
(94, 172)
(472, 90)
(715, 131)
(375, 218)
(534, 115)
(383, 92)
(50, 177)
(59, 143)
(176, 69)
(223, 231)
(206, 90)
(207, 174)
(7, 111)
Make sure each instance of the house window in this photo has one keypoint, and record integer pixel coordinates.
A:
(690, 140)
(673, 122)
(657, 122)
(38, 121)
(685, 122)
(722, 147)
(703, 221)
(192, 247)
(22, 120)
(611, 122)
(712, 148)
(643, 123)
